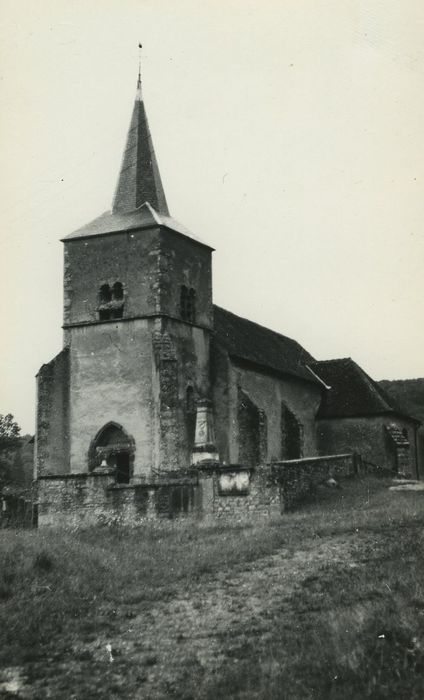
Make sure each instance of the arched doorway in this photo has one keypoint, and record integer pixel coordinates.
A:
(114, 448)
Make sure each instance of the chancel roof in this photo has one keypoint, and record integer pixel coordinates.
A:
(350, 391)
(255, 344)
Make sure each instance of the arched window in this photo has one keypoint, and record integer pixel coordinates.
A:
(252, 431)
(105, 294)
(188, 304)
(118, 291)
(190, 414)
(111, 301)
(191, 311)
(183, 301)
(291, 434)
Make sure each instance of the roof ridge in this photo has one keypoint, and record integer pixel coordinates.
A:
(259, 325)
(336, 359)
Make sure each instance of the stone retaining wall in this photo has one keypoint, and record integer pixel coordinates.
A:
(299, 478)
(86, 500)
(232, 493)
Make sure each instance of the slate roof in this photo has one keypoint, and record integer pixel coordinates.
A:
(143, 217)
(253, 343)
(139, 179)
(139, 200)
(352, 392)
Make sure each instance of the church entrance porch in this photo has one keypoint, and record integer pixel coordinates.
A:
(113, 449)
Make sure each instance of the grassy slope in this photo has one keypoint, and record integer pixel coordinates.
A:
(59, 592)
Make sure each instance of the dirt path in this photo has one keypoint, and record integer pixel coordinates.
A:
(180, 642)
(173, 648)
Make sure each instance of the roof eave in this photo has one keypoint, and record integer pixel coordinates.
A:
(132, 229)
(269, 369)
(369, 414)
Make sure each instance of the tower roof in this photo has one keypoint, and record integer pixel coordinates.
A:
(139, 179)
(139, 200)
(144, 217)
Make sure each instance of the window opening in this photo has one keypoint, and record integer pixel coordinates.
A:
(188, 304)
(105, 293)
(291, 434)
(111, 301)
(122, 468)
(118, 291)
(191, 415)
(191, 310)
(183, 301)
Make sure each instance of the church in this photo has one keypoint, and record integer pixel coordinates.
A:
(154, 382)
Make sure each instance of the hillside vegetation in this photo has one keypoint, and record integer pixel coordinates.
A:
(408, 393)
(328, 603)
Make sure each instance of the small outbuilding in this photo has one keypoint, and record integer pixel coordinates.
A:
(357, 415)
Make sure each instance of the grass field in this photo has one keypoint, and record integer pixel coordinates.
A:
(328, 602)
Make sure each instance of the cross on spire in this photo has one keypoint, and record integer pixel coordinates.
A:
(139, 178)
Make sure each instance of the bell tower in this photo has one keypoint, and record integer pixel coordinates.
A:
(137, 327)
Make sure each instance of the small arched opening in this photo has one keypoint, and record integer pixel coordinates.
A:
(188, 304)
(113, 448)
(291, 435)
(118, 291)
(190, 415)
(105, 294)
(252, 431)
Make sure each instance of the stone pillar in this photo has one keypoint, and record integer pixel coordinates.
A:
(204, 440)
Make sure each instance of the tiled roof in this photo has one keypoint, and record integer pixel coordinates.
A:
(253, 343)
(352, 392)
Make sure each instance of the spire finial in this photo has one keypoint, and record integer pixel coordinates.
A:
(139, 96)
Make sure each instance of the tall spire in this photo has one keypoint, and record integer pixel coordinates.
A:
(139, 179)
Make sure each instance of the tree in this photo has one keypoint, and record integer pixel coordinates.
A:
(9, 444)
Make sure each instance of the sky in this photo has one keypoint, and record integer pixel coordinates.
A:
(289, 136)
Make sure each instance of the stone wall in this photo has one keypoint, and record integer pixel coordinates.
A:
(255, 497)
(51, 449)
(299, 478)
(232, 493)
(131, 258)
(89, 500)
(267, 393)
(111, 380)
(184, 261)
(185, 367)
(367, 436)
(135, 371)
